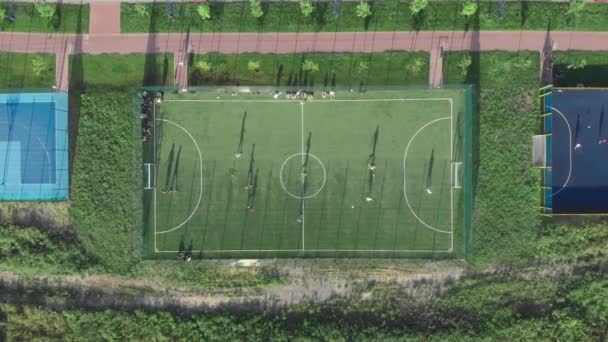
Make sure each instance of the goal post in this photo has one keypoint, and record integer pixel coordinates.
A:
(149, 181)
(456, 167)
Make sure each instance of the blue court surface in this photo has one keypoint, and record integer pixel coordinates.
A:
(580, 151)
(34, 147)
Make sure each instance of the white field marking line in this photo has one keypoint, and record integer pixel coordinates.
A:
(569, 152)
(297, 196)
(302, 179)
(155, 170)
(200, 196)
(316, 250)
(451, 175)
(405, 177)
(321, 101)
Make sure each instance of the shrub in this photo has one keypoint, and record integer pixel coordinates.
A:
(306, 7)
(45, 10)
(417, 6)
(256, 8)
(578, 64)
(39, 66)
(415, 67)
(142, 10)
(469, 7)
(203, 66)
(310, 66)
(361, 68)
(2, 14)
(464, 64)
(575, 6)
(204, 11)
(253, 66)
(363, 9)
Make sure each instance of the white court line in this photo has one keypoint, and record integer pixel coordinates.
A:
(316, 250)
(569, 153)
(302, 179)
(407, 201)
(155, 171)
(451, 175)
(450, 250)
(200, 196)
(320, 101)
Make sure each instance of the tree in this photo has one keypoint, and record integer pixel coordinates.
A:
(39, 66)
(469, 7)
(306, 7)
(310, 66)
(204, 11)
(203, 66)
(416, 66)
(575, 6)
(417, 6)
(2, 14)
(363, 10)
(253, 66)
(142, 9)
(255, 6)
(45, 10)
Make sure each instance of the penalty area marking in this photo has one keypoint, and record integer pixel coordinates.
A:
(407, 201)
(200, 196)
(569, 152)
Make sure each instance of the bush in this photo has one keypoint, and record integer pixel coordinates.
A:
(362, 68)
(253, 66)
(204, 11)
(45, 10)
(306, 7)
(310, 66)
(416, 66)
(417, 6)
(469, 7)
(39, 66)
(578, 64)
(464, 64)
(203, 66)
(256, 8)
(142, 10)
(363, 10)
(2, 14)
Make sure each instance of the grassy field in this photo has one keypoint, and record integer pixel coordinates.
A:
(506, 224)
(311, 192)
(17, 70)
(386, 16)
(113, 71)
(347, 69)
(66, 18)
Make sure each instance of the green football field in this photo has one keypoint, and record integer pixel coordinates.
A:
(251, 175)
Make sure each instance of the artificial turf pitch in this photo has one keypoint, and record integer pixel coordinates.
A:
(207, 199)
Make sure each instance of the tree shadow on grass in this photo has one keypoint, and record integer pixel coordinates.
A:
(76, 89)
(473, 78)
(151, 75)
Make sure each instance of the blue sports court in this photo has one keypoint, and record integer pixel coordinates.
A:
(34, 147)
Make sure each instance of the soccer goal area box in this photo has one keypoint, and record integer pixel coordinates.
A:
(34, 146)
(571, 151)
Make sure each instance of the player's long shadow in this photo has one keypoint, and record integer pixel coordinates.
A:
(169, 168)
(176, 170)
(429, 174)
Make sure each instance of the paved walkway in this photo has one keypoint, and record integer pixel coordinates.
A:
(104, 17)
(301, 42)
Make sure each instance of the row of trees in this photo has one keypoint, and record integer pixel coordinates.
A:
(44, 10)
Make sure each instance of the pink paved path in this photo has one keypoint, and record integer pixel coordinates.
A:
(104, 18)
(300, 42)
